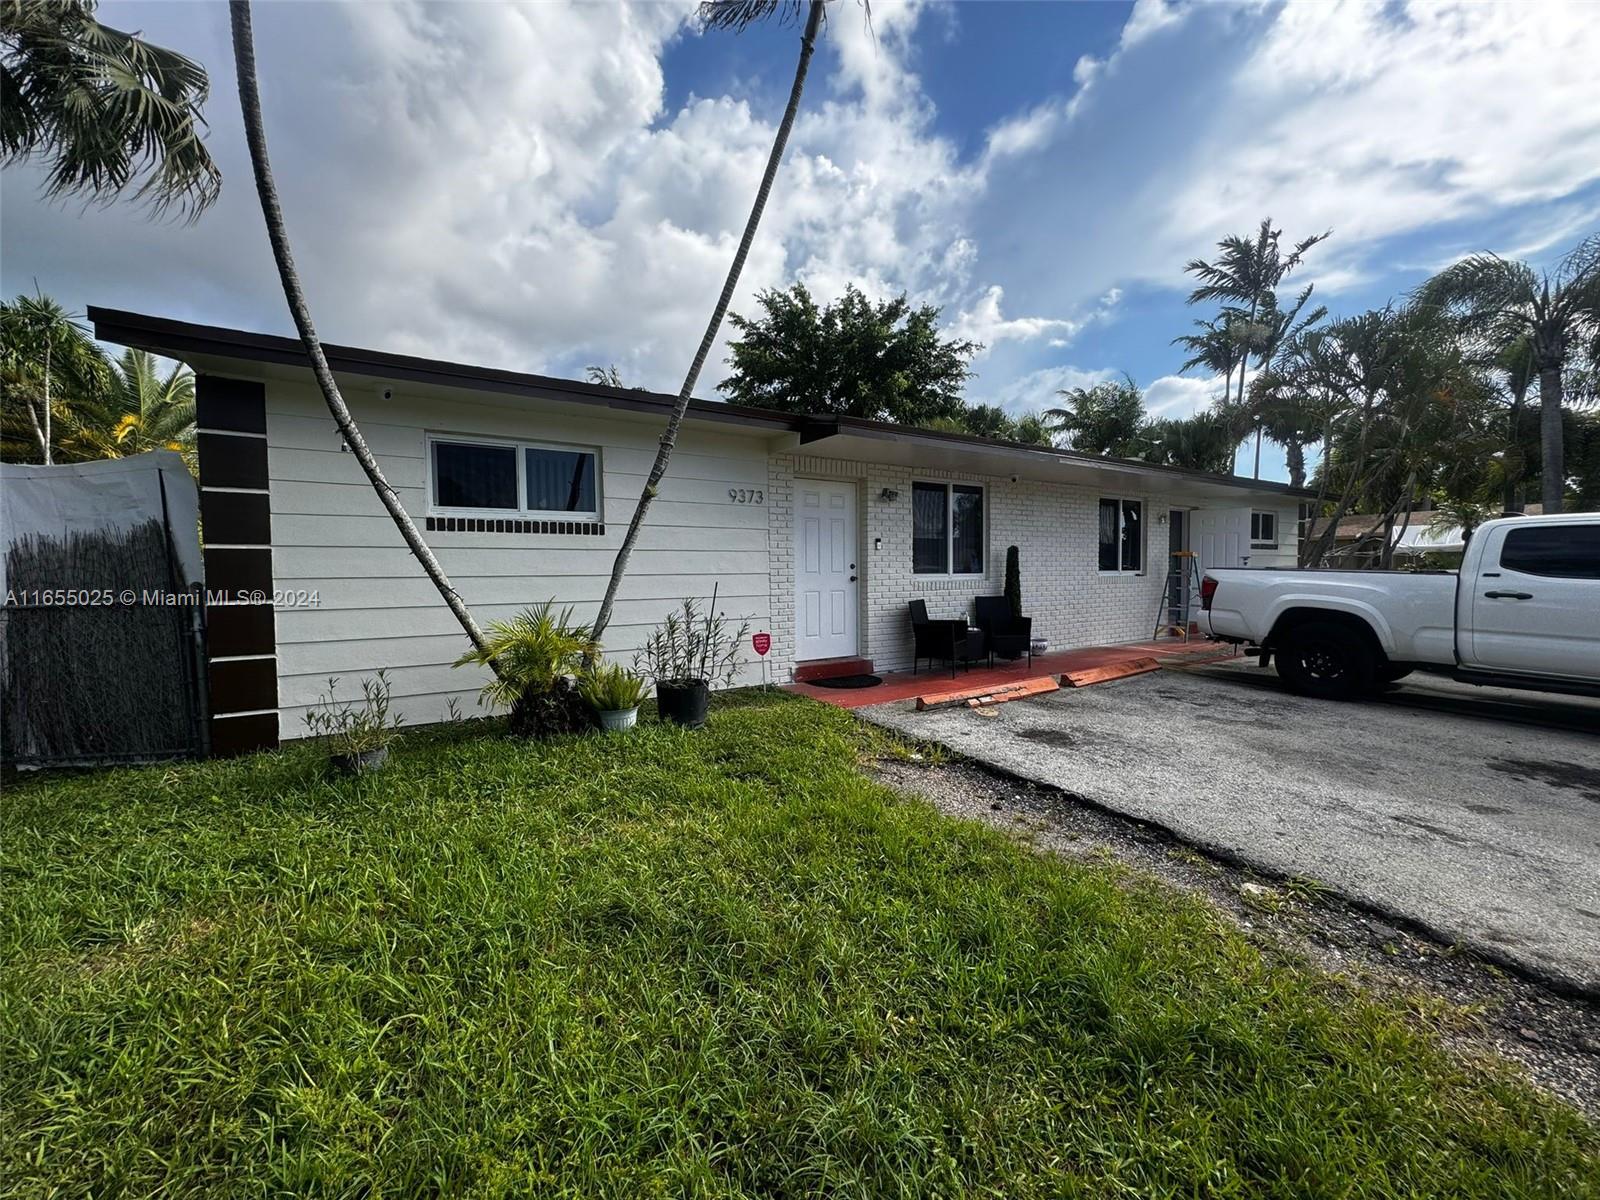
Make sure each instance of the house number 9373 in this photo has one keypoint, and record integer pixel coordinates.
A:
(747, 495)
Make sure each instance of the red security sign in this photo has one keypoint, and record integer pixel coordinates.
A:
(762, 642)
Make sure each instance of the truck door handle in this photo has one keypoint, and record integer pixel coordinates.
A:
(1509, 595)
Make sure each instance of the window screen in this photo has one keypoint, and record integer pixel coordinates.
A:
(1109, 526)
(1561, 551)
(966, 510)
(560, 480)
(930, 529)
(1132, 535)
(1122, 535)
(474, 476)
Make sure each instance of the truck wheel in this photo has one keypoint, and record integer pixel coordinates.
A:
(1327, 660)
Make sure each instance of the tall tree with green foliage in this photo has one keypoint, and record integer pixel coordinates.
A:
(1106, 419)
(736, 15)
(1245, 276)
(1496, 301)
(1398, 394)
(104, 110)
(153, 411)
(1206, 441)
(54, 383)
(881, 361)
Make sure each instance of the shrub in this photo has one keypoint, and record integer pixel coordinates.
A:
(611, 688)
(354, 727)
(534, 655)
(691, 647)
(1013, 581)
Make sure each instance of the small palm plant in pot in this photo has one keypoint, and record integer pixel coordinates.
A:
(358, 732)
(614, 693)
(685, 655)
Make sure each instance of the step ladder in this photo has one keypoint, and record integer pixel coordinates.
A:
(1183, 585)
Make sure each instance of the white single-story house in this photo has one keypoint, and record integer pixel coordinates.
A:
(817, 530)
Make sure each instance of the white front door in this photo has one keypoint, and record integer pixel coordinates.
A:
(825, 569)
(1217, 536)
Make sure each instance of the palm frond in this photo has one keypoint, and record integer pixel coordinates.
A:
(104, 110)
(741, 14)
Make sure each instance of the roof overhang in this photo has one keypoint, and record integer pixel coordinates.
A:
(212, 349)
(873, 441)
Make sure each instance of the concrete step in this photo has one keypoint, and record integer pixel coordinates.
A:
(831, 668)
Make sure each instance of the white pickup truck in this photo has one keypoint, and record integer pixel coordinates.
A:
(1523, 611)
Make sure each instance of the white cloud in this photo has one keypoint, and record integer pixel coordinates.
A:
(1376, 120)
(501, 184)
(985, 323)
(506, 185)
(1180, 395)
(1038, 390)
(1148, 18)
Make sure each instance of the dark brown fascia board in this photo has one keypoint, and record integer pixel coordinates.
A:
(816, 428)
(174, 339)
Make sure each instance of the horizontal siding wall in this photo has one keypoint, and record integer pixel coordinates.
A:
(1054, 526)
(375, 609)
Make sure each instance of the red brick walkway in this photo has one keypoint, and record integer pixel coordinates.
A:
(903, 685)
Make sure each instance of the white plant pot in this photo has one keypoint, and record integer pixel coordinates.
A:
(1040, 645)
(619, 719)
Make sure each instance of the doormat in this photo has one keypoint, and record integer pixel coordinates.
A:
(847, 681)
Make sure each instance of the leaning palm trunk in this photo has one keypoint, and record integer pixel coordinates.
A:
(250, 105)
(1552, 459)
(669, 437)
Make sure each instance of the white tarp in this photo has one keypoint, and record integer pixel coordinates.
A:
(110, 494)
(1424, 539)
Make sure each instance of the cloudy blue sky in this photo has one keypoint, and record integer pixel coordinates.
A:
(543, 186)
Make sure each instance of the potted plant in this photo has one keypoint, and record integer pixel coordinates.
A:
(684, 655)
(358, 732)
(535, 656)
(614, 693)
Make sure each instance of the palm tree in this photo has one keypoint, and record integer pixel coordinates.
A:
(1513, 364)
(1216, 347)
(55, 381)
(102, 108)
(244, 57)
(1206, 441)
(735, 15)
(1107, 418)
(1495, 301)
(153, 412)
(1248, 273)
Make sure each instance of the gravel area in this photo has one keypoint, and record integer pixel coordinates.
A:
(1475, 1006)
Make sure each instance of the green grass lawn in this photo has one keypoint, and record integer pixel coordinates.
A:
(673, 964)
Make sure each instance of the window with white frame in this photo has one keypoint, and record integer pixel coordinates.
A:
(947, 529)
(1264, 530)
(513, 478)
(1121, 536)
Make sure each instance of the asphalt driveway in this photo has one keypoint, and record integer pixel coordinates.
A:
(1474, 812)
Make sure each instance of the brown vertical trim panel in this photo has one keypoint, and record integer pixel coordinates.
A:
(236, 525)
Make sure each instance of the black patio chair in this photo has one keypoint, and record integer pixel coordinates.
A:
(951, 640)
(1008, 636)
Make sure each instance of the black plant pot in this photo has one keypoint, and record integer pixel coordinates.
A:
(684, 702)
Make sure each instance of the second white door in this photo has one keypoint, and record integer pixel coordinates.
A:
(825, 569)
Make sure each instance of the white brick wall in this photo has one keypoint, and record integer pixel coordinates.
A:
(1054, 526)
